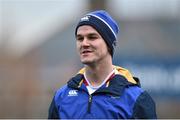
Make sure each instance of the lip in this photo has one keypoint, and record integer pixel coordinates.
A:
(85, 52)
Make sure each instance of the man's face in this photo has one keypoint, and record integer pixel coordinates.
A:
(90, 45)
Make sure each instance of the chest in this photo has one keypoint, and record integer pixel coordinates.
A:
(78, 104)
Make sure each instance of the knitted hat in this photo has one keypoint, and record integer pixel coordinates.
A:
(104, 24)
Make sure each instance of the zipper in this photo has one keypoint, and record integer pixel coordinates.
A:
(89, 103)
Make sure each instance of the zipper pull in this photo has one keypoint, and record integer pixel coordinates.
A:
(89, 103)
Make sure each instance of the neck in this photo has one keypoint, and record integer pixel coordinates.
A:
(96, 74)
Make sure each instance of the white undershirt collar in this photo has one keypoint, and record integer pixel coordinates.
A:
(91, 89)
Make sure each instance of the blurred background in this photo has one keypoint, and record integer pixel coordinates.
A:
(38, 52)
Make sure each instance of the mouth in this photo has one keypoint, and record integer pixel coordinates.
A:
(84, 52)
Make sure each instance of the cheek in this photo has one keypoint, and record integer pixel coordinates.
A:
(78, 49)
(77, 46)
(103, 48)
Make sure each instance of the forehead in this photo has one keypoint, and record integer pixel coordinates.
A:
(86, 29)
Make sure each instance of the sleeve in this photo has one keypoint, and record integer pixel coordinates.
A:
(53, 111)
(144, 107)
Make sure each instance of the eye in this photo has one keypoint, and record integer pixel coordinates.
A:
(93, 37)
(79, 38)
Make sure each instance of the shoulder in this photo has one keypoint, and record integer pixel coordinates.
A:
(61, 91)
(131, 84)
(132, 93)
(144, 99)
(144, 107)
(142, 104)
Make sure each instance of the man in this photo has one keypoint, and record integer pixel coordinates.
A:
(100, 89)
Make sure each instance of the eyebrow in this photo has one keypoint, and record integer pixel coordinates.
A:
(90, 34)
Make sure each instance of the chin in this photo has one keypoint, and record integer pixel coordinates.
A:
(87, 62)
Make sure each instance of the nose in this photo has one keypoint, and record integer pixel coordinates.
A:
(85, 42)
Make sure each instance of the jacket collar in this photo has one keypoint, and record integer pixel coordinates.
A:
(116, 85)
(119, 71)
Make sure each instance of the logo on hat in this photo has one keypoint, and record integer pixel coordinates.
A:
(86, 18)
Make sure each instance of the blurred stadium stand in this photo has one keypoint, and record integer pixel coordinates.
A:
(38, 52)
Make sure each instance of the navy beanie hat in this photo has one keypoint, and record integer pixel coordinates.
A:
(104, 24)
